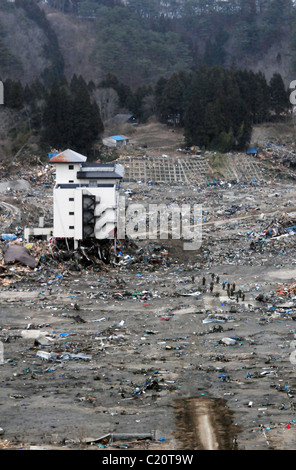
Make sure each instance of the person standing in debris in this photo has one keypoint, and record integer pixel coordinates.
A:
(203, 281)
(211, 286)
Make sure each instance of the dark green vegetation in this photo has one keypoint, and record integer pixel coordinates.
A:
(143, 40)
(178, 60)
(70, 119)
(216, 107)
(159, 38)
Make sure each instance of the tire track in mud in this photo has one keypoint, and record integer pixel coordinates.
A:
(204, 424)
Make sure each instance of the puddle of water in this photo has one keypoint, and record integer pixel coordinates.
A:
(204, 424)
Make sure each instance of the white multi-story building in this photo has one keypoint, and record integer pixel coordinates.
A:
(85, 198)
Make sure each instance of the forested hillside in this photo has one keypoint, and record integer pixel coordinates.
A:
(29, 47)
(214, 68)
(142, 40)
(155, 37)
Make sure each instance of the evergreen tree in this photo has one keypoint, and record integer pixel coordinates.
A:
(216, 115)
(158, 94)
(57, 118)
(86, 121)
(70, 118)
(137, 105)
(214, 52)
(279, 99)
(14, 94)
(172, 100)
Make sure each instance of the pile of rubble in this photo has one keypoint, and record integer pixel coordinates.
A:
(18, 258)
(287, 291)
(281, 225)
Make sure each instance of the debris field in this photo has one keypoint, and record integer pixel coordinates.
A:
(159, 348)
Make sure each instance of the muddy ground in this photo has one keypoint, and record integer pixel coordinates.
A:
(151, 348)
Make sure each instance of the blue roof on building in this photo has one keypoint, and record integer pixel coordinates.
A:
(119, 137)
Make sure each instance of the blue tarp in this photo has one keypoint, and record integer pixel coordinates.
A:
(252, 151)
(50, 155)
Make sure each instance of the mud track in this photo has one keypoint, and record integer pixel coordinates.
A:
(204, 424)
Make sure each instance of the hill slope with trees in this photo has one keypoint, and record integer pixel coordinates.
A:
(141, 41)
(69, 66)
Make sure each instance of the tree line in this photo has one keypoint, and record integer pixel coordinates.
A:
(216, 107)
(63, 115)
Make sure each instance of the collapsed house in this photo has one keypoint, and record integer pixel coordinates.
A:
(85, 200)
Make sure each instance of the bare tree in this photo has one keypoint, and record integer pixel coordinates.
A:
(107, 100)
